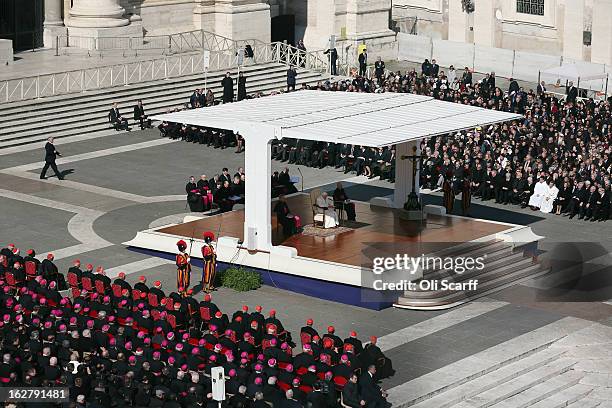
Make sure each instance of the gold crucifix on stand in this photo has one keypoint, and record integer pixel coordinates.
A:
(413, 203)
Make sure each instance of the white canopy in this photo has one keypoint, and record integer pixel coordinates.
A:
(576, 72)
(367, 119)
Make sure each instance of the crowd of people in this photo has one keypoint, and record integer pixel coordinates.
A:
(561, 144)
(112, 344)
(221, 192)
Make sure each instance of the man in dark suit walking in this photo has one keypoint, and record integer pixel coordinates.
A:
(50, 155)
(373, 395)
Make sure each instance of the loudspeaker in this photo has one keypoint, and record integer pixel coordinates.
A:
(252, 239)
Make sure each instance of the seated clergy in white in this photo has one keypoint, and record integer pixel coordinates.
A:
(325, 205)
(550, 196)
(535, 201)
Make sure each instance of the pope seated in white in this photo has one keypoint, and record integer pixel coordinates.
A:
(546, 206)
(540, 189)
(325, 205)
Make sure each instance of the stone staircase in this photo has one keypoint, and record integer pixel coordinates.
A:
(564, 364)
(544, 378)
(78, 114)
(504, 266)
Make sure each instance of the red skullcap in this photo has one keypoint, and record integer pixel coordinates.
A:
(245, 308)
(181, 243)
(30, 251)
(76, 262)
(373, 339)
(121, 275)
(331, 329)
(157, 283)
(258, 308)
(218, 314)
(309, 322)
(50, 256)
(272, 312)
(89, 266)
(207, 298)
(141, 278)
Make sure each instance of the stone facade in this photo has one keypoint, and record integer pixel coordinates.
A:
(352, 21)
(6, 52)
(498, 23)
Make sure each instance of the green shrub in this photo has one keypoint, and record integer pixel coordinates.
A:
(240, 279)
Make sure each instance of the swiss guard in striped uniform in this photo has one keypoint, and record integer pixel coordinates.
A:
(183, 268)
(210, 262)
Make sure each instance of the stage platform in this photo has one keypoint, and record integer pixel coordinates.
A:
(331, 266)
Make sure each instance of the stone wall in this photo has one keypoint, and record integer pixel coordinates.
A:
(6, 52)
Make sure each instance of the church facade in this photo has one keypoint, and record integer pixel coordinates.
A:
(313, 21)
(575, 29)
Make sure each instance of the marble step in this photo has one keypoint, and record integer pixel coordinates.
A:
(492, 379)
(540, 392)
(519, 384)
(567, 398)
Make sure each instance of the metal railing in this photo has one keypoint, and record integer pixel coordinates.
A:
(171, 66)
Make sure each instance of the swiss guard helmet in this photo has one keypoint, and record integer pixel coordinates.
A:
(209, 237)
(182, 245)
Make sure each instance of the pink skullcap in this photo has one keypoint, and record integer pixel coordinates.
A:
(284, 346)
(273, 342)
(170, 335)
(212, 327)
(128, 345)
(140, 334)
(156, 354)
(63, 301)
(112, 341)
(344, 357)
(244, 354)
(73, 320)
(19, 318)
(171, 360)
(90, 324)
(94, 295)
(312, 368)
(179, 346)
(212, 357)
(111, 318)
(272, 362)
(62, 328)
(123, 302)
(106, 299)
(307, 346)
(132, 359)
(163, 314)
(129, 319)
(228, 332)
(201, 342)
(185, 336)
(52, 285)
(258, 367)
(218, 347)
(243, 361)
(296, 381)
(105, 328)
(195, 351)
(260, 357)
(141, 305)
(48, 325)
(289, 368)
(232, 372)
(23, 290)
(147, 340)
(43, 301)
(184, 367)
(158, 329)
(35, 320)
(258, 380)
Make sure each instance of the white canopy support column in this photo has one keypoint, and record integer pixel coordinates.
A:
(258, 190)
(403, 173)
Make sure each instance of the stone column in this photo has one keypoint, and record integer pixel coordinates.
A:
(485, 24)
(601, 34)
(368, 21)
(573, 28)
(95, 24)
(235, 19)
(457, 22)
(53, 25)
